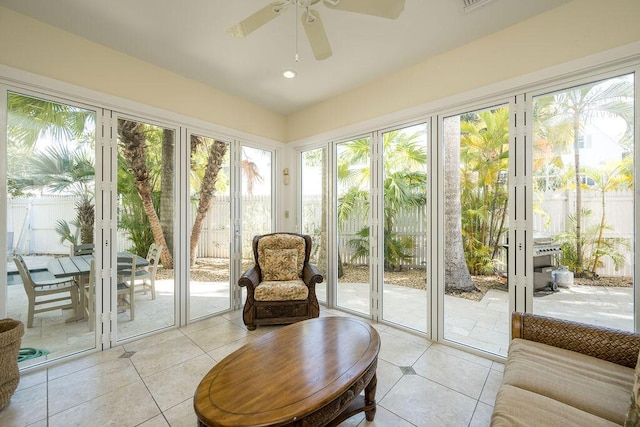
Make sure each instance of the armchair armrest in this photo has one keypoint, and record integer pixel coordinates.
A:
(250, 278)
(311, 275)
(613, 345)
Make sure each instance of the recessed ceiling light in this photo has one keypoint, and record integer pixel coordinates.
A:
(288, 74)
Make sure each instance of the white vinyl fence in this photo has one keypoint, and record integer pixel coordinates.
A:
(31, 224)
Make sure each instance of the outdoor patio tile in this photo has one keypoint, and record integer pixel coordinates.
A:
(453, 372)
(172, 386)
(26, 406)
(424, 403)
(114, 408)
(169, 353)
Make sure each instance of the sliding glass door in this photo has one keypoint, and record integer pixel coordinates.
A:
(313, 217)
(353, 166)
(210, 242)
(583, 163)
(475, 296)
(146, 215)
(50, 167)
(404, 219)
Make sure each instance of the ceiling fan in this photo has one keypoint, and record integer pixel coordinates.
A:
(311, 20)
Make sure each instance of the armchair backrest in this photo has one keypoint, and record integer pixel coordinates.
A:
(281, 256)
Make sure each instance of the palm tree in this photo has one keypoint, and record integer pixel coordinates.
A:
(61, 167)
(133, 142)
(572, 111)
(484, 153)
(216, 152)
(166, 190)
(404, 189)
(612, 177)
(456, 272)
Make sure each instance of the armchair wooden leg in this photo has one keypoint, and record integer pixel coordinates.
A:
(248, 315)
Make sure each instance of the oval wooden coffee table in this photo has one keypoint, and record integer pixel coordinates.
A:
(309, 373)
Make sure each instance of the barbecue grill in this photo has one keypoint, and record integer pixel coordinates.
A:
(544, 262)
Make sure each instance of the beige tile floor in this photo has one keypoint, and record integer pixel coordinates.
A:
(150, 382)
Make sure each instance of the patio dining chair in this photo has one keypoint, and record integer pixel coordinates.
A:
(89, 297)
(79, 250)
(126, 278)
(39, 292)
(148, 273)
(82, 249)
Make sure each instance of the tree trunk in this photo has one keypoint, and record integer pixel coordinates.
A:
(576, 156)
(86, 219)
(215, 158)
(456, 272)
(166, 188)
(133, 140)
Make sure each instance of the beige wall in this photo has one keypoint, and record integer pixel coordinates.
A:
(569, 32)
(33, 46)
(572, 31)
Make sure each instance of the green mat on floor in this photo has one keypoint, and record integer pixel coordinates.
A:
(30, 353)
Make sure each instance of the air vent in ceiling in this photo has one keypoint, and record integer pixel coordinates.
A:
(469, 5)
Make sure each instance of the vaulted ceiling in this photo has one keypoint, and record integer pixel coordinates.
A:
(191, 38)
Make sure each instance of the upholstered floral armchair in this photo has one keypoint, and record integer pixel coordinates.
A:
(281, 285)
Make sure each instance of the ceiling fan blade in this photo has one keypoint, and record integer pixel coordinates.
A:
(390, 9)
(257, 20)
(316, 34)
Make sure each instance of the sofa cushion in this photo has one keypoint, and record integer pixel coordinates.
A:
(586, 383)
(633, 415)
(279, 264)
(285, 290)
(516, 407)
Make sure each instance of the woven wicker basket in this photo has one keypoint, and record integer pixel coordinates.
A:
(11, 332)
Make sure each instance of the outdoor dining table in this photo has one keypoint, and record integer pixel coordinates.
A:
(69, 266)
(79, 265)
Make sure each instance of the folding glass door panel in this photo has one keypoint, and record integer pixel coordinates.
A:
(256, 203)
(50, 173)
(145, 207)
(314, 210)
(404, 296)
(476, 220)
(353, 216)
(583, 203)
(209, 245)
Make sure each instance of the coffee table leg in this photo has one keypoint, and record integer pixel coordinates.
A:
(370, 398)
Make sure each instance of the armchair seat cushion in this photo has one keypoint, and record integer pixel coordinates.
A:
(281, 290)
